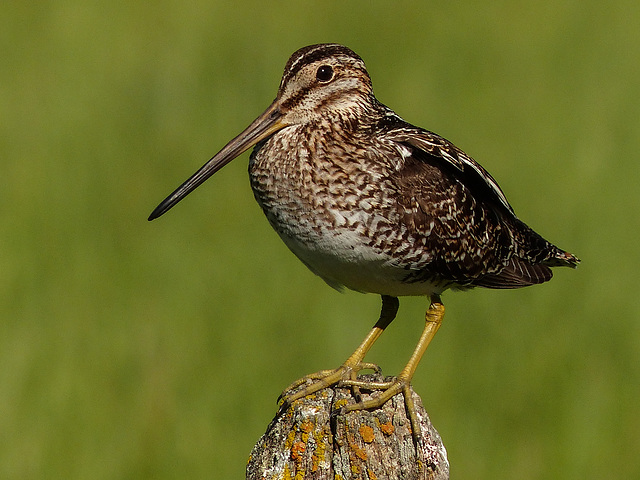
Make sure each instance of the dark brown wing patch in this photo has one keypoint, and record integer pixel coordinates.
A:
(468, 226)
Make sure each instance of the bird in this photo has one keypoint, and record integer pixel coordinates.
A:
(372, 203)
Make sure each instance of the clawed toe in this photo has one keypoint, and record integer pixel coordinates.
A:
(343, 375)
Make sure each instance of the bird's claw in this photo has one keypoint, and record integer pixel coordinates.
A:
(343, 375)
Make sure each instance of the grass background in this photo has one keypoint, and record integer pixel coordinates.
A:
(133, 350)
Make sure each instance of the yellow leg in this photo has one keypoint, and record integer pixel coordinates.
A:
(350, 368)
(433, 320)
(346, 374)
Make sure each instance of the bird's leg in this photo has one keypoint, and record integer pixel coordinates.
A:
(350, 368)
(401, 383)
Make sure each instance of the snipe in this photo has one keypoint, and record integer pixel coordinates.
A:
(372, 203)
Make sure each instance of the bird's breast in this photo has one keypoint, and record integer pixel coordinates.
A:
(334, 209)
(316, 194)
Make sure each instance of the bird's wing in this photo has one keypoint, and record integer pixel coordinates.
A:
(415, 138)
(470, 225)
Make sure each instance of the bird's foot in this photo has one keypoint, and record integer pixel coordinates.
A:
(388, 390)
(345, 374)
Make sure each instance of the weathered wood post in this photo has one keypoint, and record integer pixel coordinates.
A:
(307, 442)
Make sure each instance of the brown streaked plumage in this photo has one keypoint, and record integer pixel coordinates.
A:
(372, 203)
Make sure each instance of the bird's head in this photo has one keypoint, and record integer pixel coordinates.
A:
(319, 81)
(323, 81)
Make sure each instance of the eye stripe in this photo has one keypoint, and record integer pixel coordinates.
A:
(316, 53)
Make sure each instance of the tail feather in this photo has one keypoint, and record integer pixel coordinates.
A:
(516, 274)
(562, 259)
(520, 273)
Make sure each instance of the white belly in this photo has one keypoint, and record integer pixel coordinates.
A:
(342, 259)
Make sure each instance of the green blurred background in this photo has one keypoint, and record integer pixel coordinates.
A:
(131, 349)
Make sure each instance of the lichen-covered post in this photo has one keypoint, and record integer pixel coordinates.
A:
(307, 442)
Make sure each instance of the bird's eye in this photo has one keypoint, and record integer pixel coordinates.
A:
(324, 73)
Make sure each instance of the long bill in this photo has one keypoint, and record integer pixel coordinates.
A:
(262, 127)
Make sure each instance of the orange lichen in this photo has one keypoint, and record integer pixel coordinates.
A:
(297, 450)
(306, 426)
(360, 453)
(387, 428)
(366, 432)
